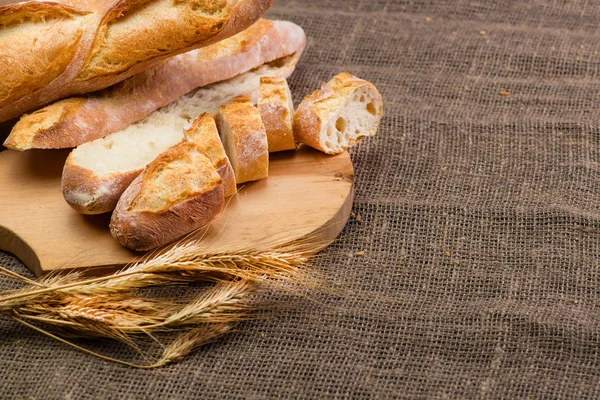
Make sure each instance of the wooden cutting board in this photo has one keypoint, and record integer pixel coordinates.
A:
(307, 195)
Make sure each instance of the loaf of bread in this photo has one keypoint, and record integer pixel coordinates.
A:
(74, 121)
(97, 173)
(204, 133)
(277, 111)
(51, 50)
(176, 194)
(245, 139)
(342, 112)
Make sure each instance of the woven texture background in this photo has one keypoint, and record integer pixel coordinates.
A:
(479, 223)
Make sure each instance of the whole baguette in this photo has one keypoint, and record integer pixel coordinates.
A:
(73, 121)
(50, 50)
(176, 194)
(335, 117)
(97, 173)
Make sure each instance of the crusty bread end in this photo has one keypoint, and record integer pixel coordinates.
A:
(342, 112)
(176, 194)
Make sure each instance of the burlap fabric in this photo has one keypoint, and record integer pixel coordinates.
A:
(479, 224)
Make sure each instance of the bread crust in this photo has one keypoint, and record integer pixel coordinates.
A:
(60, 33)
(317, 109)
(90, 193)
(102, 46)
(155, 210)
(277, 110)
(205, 134)
(74, 121)
(245, 139)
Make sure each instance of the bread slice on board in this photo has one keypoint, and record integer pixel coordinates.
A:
(204, 133)
(245, 139)
(73, 121)
(52, 50)
(176, 194)
(97, 173)
(342, 112)
(277, 111)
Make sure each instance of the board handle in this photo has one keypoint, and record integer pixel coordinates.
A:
(14, 244)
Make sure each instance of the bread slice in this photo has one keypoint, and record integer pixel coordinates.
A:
(342, 112)
(245, 139)
(97, 173)
(176, 194)
(77, 120)
(51, 50)
(204, 133)
(277, 111)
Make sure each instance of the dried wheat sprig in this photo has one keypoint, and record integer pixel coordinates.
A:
(111, 307)
(190, 341)
(225, 303)
(175, 352)
(184, 264)
(178, 265)
(115, 311)
(10, 274)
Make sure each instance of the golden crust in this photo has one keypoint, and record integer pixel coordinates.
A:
(89, 194)
(131, 100)
(204, 133)
(276, 111)
(175, 25)
(176, 194)
(237, 44)
(44, 37)
(317, 108)
(176, 175)
(40, 128)
(245, 139)
(36, 12)
(77, 53)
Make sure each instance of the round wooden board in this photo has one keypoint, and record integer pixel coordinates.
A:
(307, 195)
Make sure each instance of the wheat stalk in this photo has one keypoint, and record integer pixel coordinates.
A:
(181, 264)
(112, 307)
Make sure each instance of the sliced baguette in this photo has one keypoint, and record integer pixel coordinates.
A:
(77, 120)
(204, 133)
(277, 111)
(97, 173)
(245, 139)
(342, 112)
(176, 194)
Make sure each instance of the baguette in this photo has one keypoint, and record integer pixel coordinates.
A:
(96, 173)
(245, 139)
(342, 112)
(74, 121)
(50, 50)
(204, 133)
(177, 193)
(276, 111)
